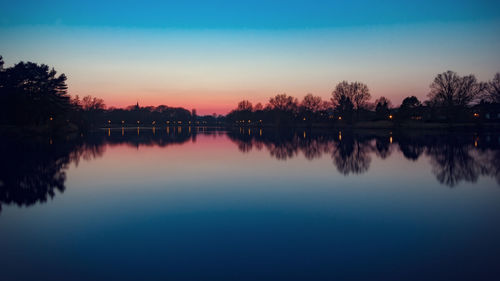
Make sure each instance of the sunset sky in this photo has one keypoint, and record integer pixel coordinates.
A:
(209, 55)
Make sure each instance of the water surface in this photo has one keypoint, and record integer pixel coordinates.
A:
(184, 203)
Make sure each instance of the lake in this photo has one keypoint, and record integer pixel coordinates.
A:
(198, 203)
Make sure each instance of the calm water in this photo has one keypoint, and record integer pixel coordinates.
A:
(206, 204)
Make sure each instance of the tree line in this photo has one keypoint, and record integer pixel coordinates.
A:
(34, 95)
(452, 98)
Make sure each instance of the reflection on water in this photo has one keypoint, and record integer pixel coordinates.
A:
(32, 170)
(455, 157)
(184, 203)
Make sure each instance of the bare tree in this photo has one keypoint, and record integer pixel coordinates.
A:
(361, 95)
(342, 90)
(357, 92)
(449, 89)
(284, 102)
(258, 107)
(493, 92)
(245, 105)
(312, 103)
(453, 92)
(384, 102)
(90, 103)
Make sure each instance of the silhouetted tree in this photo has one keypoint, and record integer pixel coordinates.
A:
(409, 108)
(283, 102)
(493, 91)
(32, 94)
(283, 109)
(90, 103)
(382, 108)
(245, 105)
(311, 103)
(357, 92)
(454, 93)
(258, 107)
(310, 106)
(344, 109)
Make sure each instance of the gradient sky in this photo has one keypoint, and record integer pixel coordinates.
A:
(209, 55)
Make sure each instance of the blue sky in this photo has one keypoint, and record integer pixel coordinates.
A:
(256, 14)
(211, 54)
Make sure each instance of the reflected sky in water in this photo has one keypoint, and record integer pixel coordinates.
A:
(247, 204)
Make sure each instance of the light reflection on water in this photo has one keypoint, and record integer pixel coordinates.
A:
(196, 203)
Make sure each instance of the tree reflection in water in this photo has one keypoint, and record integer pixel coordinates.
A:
(34, 170)
(454, 157)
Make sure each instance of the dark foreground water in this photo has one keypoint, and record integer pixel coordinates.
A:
(204, 204)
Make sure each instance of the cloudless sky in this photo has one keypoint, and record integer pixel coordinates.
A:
(211, 54)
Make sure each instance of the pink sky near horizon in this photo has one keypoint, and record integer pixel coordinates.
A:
(212, 70)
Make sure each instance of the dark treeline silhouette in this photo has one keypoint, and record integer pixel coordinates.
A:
(152, 116)
(34, 95)
(452, 99)
(454, 157)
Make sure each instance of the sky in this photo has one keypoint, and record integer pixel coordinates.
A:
(209, 55)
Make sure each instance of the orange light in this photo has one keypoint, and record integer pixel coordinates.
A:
(390, 116)
(476, 115)
(51, 118)
(340, 117)
(304, 119)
